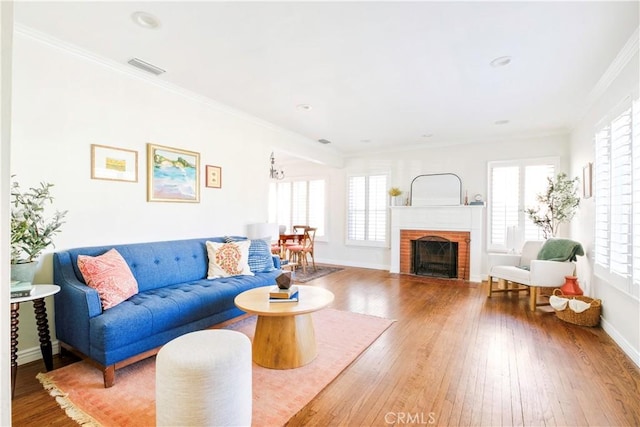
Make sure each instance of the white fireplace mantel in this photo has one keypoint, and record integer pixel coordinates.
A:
(440, 218)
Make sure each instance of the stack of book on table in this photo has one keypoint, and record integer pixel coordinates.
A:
(21, 289)
(283, 295)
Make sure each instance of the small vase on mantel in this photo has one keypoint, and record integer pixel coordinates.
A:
(571, 286)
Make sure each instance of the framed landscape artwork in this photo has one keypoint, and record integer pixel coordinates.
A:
(173, 174)
(214, 176)
(114, 164)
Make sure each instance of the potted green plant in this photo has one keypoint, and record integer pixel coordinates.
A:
(394, 192)
(31, 231)
(557, 205)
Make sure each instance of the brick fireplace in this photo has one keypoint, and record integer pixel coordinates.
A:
(462, 238)
(461, 224)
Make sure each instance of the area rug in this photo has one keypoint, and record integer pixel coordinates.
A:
(322, 270)
(277, 394)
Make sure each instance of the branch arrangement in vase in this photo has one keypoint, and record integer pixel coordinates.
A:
(31, 231)
(557, 205)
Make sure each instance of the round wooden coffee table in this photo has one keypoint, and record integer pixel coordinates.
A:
(284, 337)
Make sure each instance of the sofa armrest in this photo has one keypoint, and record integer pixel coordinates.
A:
(276, 262)
(495, 259)
(550, 273)
(76, 304)
(83, 295)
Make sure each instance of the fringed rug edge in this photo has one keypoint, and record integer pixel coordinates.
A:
(77, 415)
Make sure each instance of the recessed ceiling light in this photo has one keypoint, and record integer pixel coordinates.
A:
(501, 122)
(365, 141)
(145, 20)
(305, 107)
(500, 62)
(427, 135)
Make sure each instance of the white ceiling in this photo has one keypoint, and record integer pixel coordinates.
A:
(378, 75)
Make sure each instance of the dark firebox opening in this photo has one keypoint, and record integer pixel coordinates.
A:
(434, 256)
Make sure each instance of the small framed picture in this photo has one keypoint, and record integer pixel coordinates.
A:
(213, 176)
(586, 181)
(114, 164)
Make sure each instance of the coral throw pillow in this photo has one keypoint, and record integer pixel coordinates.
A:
(228, 259)
(110, 275)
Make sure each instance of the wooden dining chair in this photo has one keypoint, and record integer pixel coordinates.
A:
(296, 229)
(307, 248)
(298, 252)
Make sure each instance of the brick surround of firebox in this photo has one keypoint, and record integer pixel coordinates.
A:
(461, 237)
(454, 219)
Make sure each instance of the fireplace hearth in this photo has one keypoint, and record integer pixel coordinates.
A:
(434, 256)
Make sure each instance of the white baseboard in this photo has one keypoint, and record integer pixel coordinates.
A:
(353, 264)
(626, 347)
(32, 354)
(474, 278)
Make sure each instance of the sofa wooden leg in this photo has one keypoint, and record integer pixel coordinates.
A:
(533, 298)
(489, 288)
(109, 375)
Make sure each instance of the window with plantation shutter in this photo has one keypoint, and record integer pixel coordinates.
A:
(514, 186)
(617, 200)
(505, 202)
(601, 191)
(367, 209)
(620, 232)
(635, 149)
(299, 202)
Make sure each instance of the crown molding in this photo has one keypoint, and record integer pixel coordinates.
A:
(512, 137)
(622, 59)
(134, 73)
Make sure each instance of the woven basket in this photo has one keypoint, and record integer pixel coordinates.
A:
(589, 317)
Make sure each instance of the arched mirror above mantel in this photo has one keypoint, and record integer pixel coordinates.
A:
(438, 189)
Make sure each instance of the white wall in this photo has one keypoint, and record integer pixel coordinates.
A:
(620, 311)
(64, 101)
(6, 41)
(469, 162)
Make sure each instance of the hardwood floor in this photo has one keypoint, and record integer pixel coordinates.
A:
(453, 357)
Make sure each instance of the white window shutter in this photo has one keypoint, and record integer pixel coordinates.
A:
(617, 200)
(602, 196)
(504, 203)
(367, 208)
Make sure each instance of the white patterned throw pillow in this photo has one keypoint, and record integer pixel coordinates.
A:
(228, 259)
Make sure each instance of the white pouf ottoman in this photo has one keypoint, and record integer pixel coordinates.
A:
(204, 379)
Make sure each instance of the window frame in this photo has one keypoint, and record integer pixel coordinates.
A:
(521, 164)
(368, 243)
(602, 265)
(321, 235)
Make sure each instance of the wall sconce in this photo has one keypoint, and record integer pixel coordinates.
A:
(274, 172)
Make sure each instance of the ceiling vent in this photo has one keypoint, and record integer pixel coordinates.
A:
(139, 63)
(324, 141)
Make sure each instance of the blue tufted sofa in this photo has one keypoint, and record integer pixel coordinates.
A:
(174, 298)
